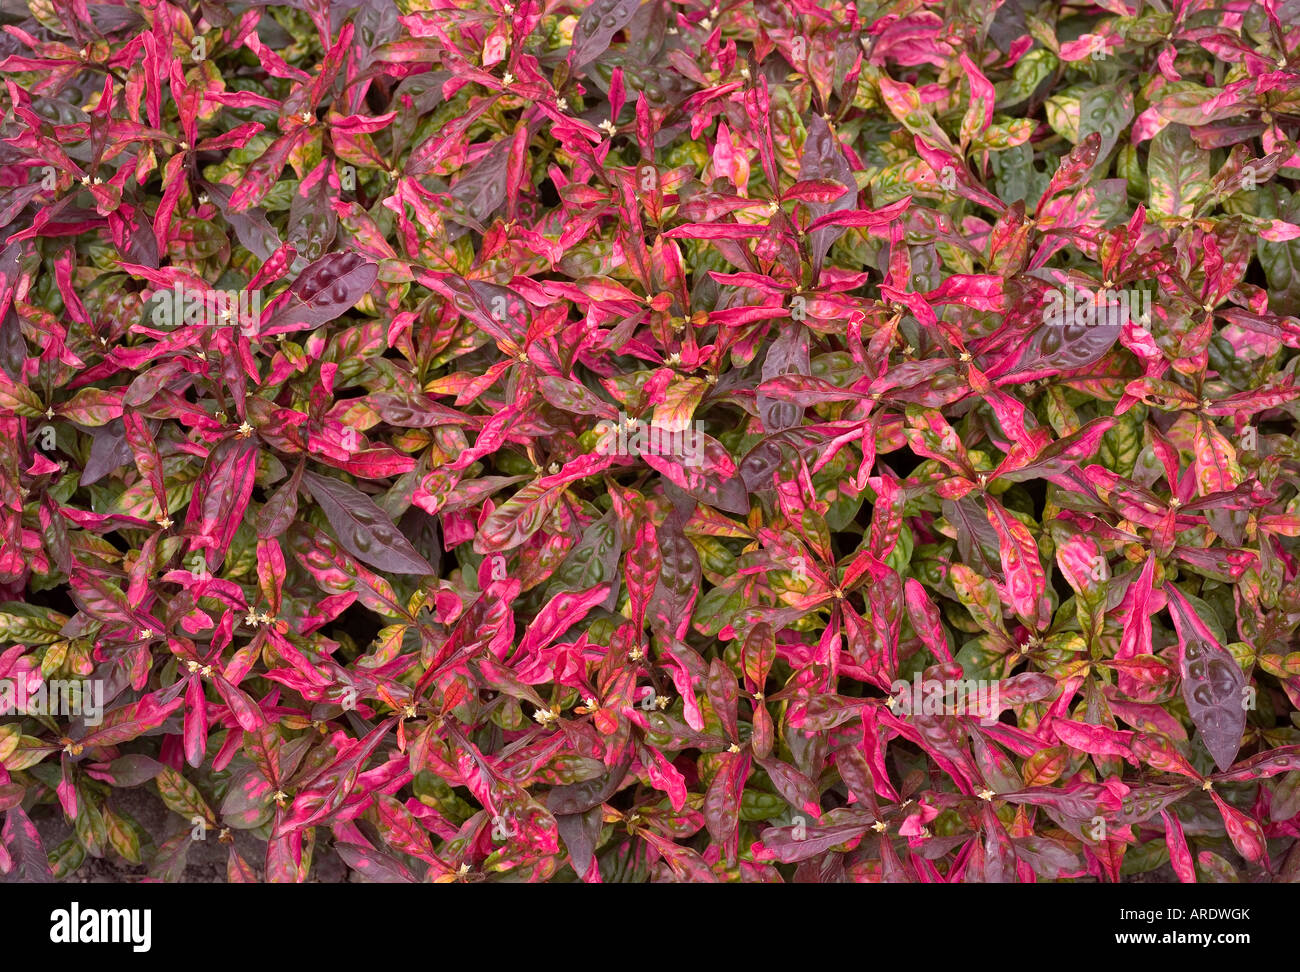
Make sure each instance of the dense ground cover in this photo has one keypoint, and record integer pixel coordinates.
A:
(651, 441)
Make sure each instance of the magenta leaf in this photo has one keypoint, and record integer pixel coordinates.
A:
(1212, 682)
(322, 292)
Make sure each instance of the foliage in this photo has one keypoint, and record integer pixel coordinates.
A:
(329, 333)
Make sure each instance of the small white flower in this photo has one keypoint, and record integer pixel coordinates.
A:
(609, 128)
(661, 702)
(546, 716)
(986, 794)
(245, 430)
(562, 104)
(307, 117)
(192, 665)
(165, 522)
(250, 619)
(733, 749)
(590, 703)
(879, 826)
(146, 634)
(673, 360)
(507, 79)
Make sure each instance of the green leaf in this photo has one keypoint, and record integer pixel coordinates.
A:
(181, 796)
(1016, 178)
(1063, 112)
(66, 858)
(1179, 171)
(901, 555)
(122, 837)
(980, 597)
(981, 658)
(89, 828)
(1003, 134)
(593, 559)
(1106, 110)
(1121, 444)
(1029, 73)
(28, 624)
(1281, 261)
